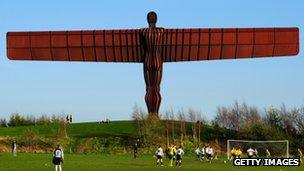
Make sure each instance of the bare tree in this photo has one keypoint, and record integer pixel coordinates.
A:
(167, 118)
(289, 118)
(181, 118)
(300, 120)
(237, 116)
(139, 116)
(200, 121)
(172, 118)
(192, 118)
(227, 118)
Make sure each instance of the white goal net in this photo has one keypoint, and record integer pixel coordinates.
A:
(276, 148)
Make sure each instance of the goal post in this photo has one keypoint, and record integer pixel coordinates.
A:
(277, 148)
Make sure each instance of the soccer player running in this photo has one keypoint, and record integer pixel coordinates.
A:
(179, 156)
(159, 156)
(171, 154)
(238, 153)
(209, 153)
(256, 153)
(250, 152)
(58, 158)
(233, 153)
(198, 153)
(203, 152)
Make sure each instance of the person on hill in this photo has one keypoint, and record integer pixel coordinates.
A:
(67, 118)
(159, 156)
(198, 153)
(14, 148)
(179, 156)
(58, 158)
(71, 118)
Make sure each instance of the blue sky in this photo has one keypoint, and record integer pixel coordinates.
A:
(93, 91)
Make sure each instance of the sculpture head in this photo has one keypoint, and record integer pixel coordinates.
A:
(152, 19)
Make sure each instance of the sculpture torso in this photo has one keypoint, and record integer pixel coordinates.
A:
(152, 38)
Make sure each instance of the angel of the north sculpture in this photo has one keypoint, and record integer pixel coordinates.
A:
(153, 46)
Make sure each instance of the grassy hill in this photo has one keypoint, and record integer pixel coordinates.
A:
(90, 129)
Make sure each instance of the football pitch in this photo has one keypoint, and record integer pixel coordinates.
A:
(94, 162)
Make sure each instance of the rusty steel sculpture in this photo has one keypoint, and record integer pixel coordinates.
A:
(153, 46)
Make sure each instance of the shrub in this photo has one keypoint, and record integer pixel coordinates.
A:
(3, 122)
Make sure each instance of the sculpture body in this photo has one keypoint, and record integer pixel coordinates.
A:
(153, 67)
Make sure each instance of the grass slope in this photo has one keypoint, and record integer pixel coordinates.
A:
(92, 129)
(94, 162)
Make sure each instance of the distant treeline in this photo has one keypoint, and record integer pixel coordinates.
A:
(237, 121)
(17, 119)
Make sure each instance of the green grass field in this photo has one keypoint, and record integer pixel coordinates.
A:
(75, 162)
(90, 129)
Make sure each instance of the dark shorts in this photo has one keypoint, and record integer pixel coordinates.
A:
(56, 161)
(209, 155)
(159, 157)
(170, 156)
(178, 157)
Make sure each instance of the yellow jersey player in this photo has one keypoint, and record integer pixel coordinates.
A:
(239, 153)
(233, 153)
(171, 154)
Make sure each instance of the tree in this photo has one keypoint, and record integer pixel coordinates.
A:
(273, 117)
(181, 118)
(136, 116)
(192, 118)
(172, 118)
(167, 118)
(3, 122)
(200, 121)
(300, 120)
(288, 119)
(16, 120)
(227, 118)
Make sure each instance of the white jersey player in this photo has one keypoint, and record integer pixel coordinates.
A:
(209, 153)
(250, 152)
(159, 156)
(58, 158)
(198, 153)
(179, 156)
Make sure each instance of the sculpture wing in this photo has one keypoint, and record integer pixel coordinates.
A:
(96, 46)
(212, 44)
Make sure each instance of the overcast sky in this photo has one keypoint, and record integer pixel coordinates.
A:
(94, 91)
